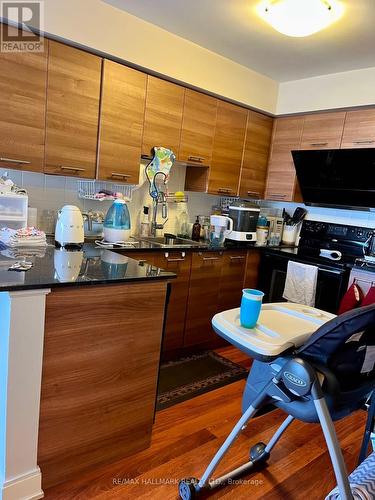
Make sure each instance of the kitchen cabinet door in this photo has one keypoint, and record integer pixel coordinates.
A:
(232, 278)
(163, 115)
(281, 177)
(203, 297)
(323, 131)
(359, 129)
(121, 123)
(255, 157)
(229, 140)
(73, 93)
(180, 263)
(23, 86)
(198, 128)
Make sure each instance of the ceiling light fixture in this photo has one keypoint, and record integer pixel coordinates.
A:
(300, 18)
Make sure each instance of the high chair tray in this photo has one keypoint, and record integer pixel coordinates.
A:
(280, 326)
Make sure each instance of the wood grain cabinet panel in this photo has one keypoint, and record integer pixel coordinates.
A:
(255, 157)
(179, 263)
(163, 115)
(281, 177)
(203, 297)
(198, 128)
(323, 131)
(359, 129)
(100, 369)
(73, 94)
(232, 277)
(23, 86)
(121, 123)
(229, 140)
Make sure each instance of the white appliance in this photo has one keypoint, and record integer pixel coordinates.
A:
(69, 227)
(219, 229)
(67, 264)
(245, 218)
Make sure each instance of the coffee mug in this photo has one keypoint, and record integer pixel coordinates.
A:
(251, 304)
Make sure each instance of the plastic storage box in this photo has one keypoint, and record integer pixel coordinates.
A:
(13, 210)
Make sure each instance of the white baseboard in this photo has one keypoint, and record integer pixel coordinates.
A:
(27, 487)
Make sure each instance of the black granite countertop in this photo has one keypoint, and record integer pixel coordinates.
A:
(56, 267)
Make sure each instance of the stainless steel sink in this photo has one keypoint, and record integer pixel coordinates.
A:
(161, 241)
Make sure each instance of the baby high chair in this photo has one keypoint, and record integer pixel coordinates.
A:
(319, 373)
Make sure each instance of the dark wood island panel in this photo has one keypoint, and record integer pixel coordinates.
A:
(100, 369)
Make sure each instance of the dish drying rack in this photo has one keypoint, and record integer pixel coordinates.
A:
(88, 189)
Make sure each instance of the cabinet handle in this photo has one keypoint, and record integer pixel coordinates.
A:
(72, 169)
(224, 190)
(256, 193)
(13, 160)
(198, 159)
(277, 196)
(236, 257)
(369, 141)
(117, 174)
(175, 260)
(315, 144)
(210, 258)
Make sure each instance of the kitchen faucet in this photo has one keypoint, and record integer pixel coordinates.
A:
(159, 199)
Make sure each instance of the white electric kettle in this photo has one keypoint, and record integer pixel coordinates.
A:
(69, 231)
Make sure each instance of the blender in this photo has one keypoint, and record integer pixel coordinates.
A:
(219, 230)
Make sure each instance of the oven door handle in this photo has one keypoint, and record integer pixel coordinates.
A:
(331, 271)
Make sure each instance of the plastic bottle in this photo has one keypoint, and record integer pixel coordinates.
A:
(196, 233)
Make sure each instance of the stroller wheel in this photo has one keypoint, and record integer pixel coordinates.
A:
(258, 453)
(186, 488)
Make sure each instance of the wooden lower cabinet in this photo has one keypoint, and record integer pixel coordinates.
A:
(203, 296)
(206, 283)
(100, 367)
(232, 277)
(180, 263)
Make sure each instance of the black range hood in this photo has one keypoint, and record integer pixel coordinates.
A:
(337, 177)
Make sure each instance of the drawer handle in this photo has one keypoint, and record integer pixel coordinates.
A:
(72, 169)
(251, 193)
(117, 174)
(278, 196)
(175, 260)
(315, 144)
(13, 160)
(198, 159)
(210, 258)
(236, 257)
(369, 141)
(225, 190)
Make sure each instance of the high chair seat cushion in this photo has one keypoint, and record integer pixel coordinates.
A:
(362, 481)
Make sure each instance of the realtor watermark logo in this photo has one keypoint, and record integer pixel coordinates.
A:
(22, 13)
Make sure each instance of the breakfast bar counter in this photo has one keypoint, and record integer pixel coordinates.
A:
(80, 343)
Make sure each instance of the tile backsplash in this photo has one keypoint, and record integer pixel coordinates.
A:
(49, 193)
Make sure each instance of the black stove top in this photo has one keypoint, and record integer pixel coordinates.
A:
(334, 245)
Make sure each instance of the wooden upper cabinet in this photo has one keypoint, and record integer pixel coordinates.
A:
(359, 129)
(121, 123)
(228, 148)
(23, 84)
(163, 115)
(73, 95)
(281, 178)
(255, 157)
(198, 128)
(323, 131)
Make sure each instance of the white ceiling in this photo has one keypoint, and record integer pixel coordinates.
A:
(233, 29)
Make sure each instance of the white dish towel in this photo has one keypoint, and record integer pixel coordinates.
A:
(300, 283)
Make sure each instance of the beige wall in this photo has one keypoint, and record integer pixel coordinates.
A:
(339, 90)
(100, 26)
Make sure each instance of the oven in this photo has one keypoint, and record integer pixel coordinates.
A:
(331, 285)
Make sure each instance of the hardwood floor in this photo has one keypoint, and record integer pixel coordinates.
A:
(186, 436)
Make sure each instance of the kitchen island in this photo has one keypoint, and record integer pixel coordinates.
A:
(80, 342)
